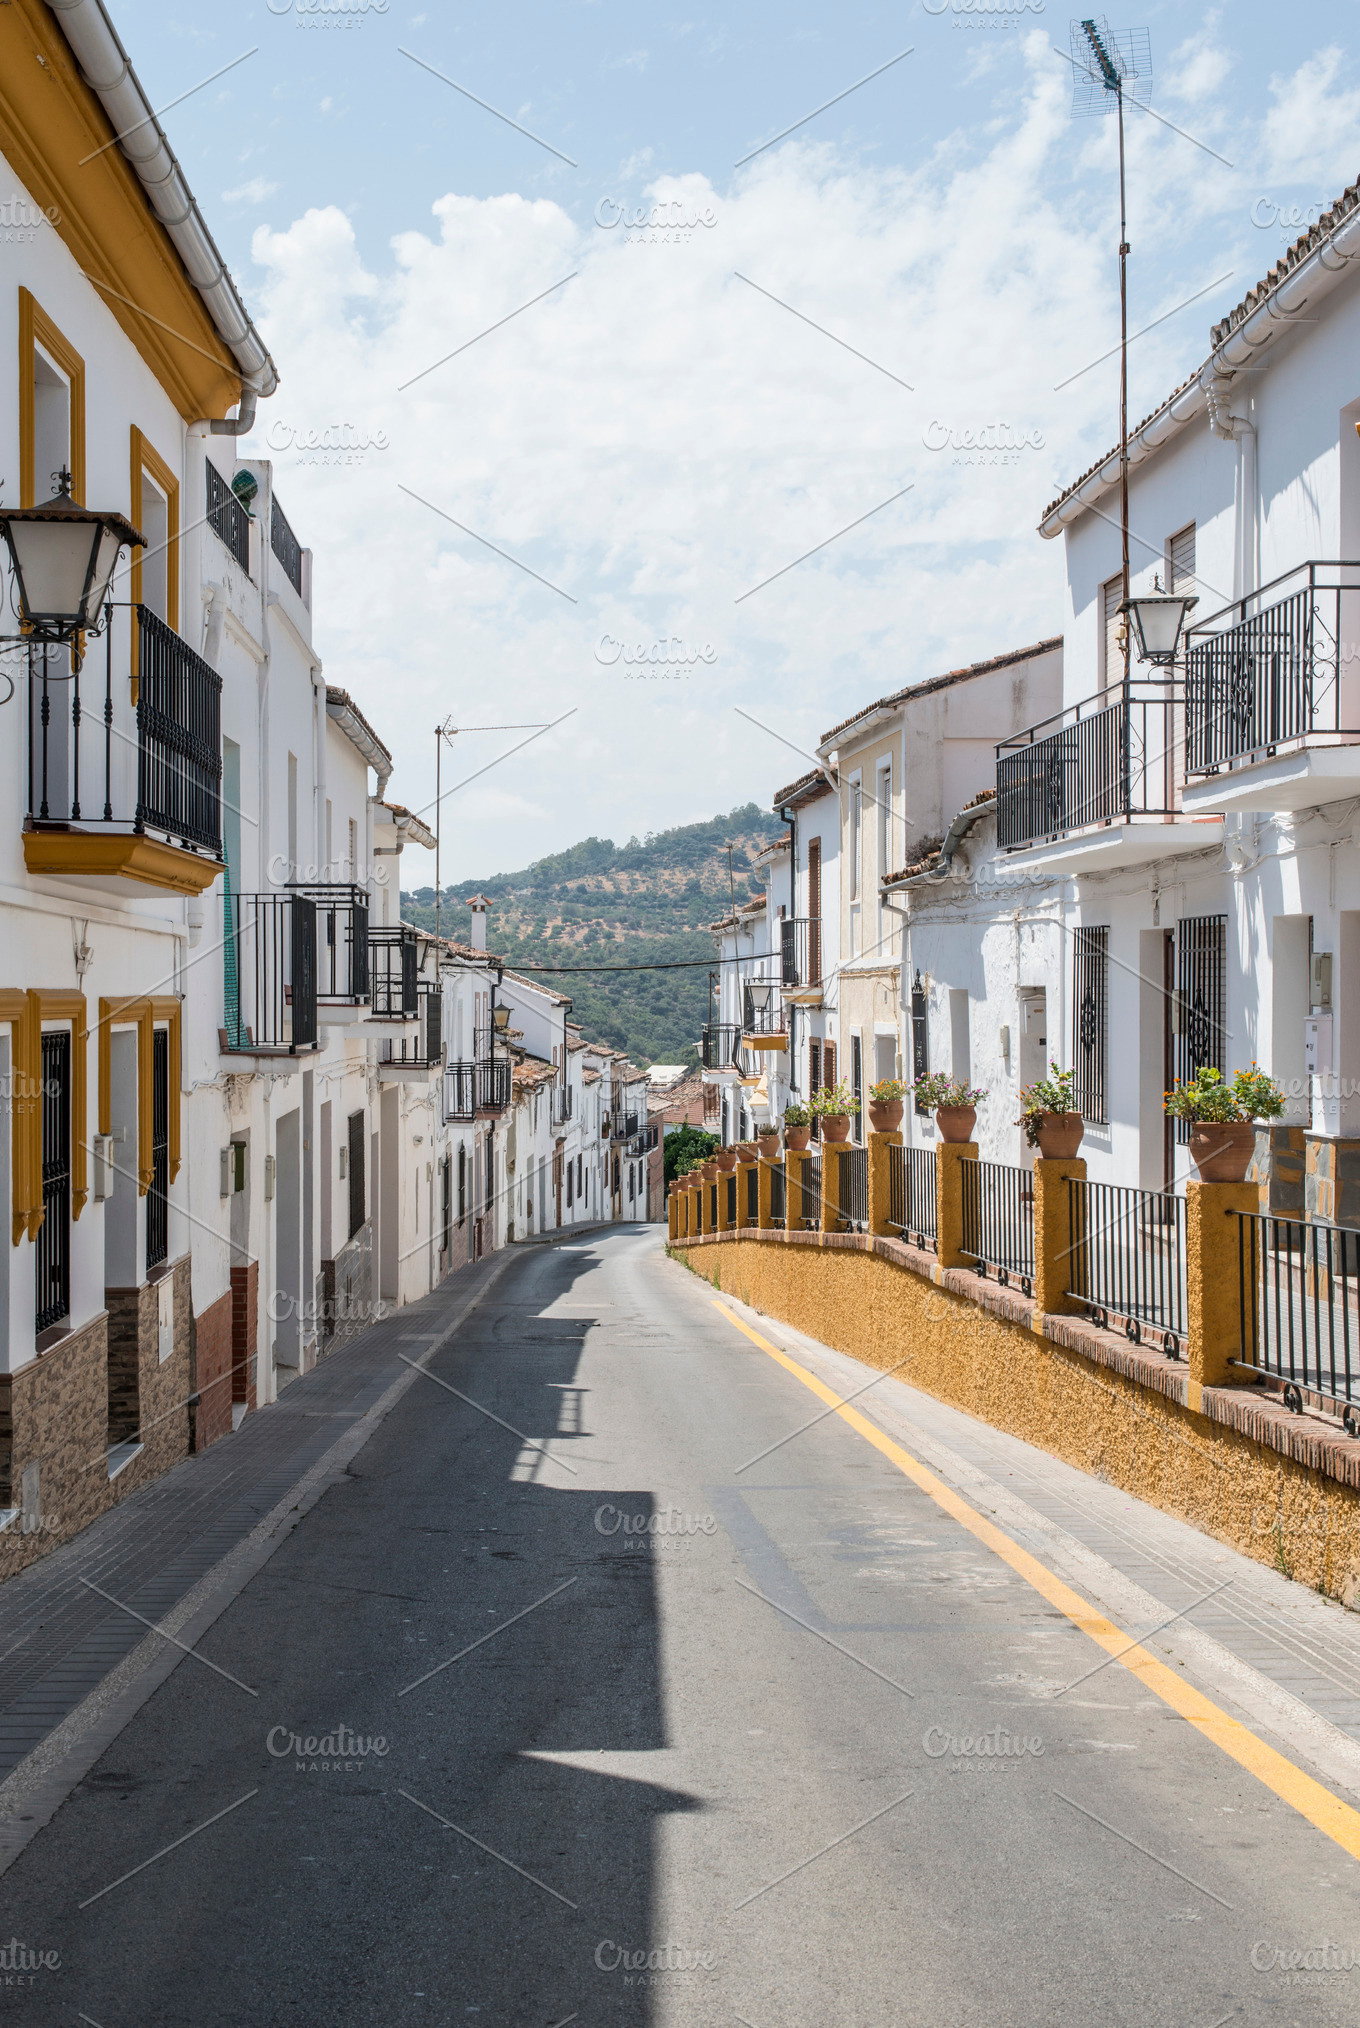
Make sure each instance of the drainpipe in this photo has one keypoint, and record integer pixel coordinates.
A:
(1237, 429)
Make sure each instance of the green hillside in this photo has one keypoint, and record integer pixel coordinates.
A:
(648, 901)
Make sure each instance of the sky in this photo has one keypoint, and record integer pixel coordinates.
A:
(600, 413)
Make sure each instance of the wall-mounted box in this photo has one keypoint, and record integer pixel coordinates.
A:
(1317, 1045)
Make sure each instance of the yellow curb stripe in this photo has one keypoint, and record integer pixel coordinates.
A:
(1321, 1808)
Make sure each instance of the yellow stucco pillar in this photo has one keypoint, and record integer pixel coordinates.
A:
(1214, 1283)
(1053, 1263)
(950, 1157)
(880, 1181)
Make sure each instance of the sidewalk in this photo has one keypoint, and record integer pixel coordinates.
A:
(59, 1640)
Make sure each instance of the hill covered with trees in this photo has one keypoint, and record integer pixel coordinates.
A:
(647, 902)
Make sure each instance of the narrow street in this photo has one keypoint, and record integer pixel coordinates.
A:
(614, 1719)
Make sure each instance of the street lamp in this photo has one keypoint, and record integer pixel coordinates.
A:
(501, 1017)
(63, 556)
(1158, 618)
(759, 994)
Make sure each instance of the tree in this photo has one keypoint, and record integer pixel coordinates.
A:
(686, 1144)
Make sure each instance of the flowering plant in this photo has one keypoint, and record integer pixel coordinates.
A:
(938, 1089)
(797, 1115)
(887, 1091)
(831, 1100)
(1056, 1093)
(1209, 1098)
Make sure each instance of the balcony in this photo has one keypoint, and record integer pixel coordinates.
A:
(1098, 785)
(226, 517)
(763, 1024)
(125, 791)
(269, 974)
(416, 1055)
(473, 1090)
(720, 1046)
(561, 1104)
(1272, 712)
(285, 546)
(800, 941)
(342, 947)
(393, 973)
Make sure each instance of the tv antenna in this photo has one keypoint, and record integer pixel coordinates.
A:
(449, 731)
(1107, 68)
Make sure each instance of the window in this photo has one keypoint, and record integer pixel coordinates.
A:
(53, 1252)
(920, 1038)
(814, 1067)
(1180, 561)
(857, 1082)
(1111, 598)
(154, 577)
(1090, 1019)
(570, 1196)
(51, 407)
(883, 814)
(1201, 964)
(355, 1139)
(158, 1196)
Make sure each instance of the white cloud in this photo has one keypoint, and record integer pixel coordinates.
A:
(1311, 128)
(254, 192)
(656, 438)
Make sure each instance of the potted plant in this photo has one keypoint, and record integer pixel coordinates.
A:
(1049, 1115)
(746, 1151)
(833, 1107)
(726, 1159)
(767, 1144)
(953, 1103)
(1222, 1118)
(797, 1127)
(885, 1104)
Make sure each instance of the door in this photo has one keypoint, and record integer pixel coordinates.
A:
(158, 1196)
(54, 1234)
(285, 1302)
(1033, 1034)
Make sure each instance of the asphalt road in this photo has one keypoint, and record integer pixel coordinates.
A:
(631, 1788)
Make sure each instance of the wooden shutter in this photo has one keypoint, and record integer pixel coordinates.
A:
(1181, 564)
(828, 1064)
(1111, 598)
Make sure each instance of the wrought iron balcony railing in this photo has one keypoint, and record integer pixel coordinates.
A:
(720, 1046)
(561, 1104)
(800, 941)
(227, 518)
(493, 1084)
(1278, 666)
(762, 1008)
(1104, 761)
(425, 1048)
(460, 1091)
(269, 972)
(285, 546)
(481, 1086)
(393, 960)
(342, 938)
(152, 764)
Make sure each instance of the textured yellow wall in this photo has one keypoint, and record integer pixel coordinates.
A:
(1268, 1506)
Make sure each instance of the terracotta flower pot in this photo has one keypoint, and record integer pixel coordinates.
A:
(835, 1126)
(726, 1159)
(708, 1172)
(768, 1146)
(885, 1115)
(1222, 1150)
(956, 1123)
(1060, 1135)
(797, 1138)
(746, 1151)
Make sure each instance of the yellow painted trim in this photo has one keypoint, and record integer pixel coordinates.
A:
(69, 855)
(146, 459)
(36, 328)
(146, 1014)
(70, 1007)
(26, 1012)
(1326, 1812)
(15, 1008)
(53, 124)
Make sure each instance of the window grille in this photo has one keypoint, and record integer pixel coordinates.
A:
(1090, 1019)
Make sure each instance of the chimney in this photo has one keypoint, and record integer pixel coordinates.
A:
(479, 905)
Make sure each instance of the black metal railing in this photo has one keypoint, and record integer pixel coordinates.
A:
(911, 1193)
(623, 1125)
(493, 1083)
(393, 960)
(269, 962)
(158, 1196)
(460, 1091)
(810, 1191)
(712, 1207)
(424, 1048)
(561, 1104)
(720, 1045)
(800, 952)
(753, 1194)
(1275, 667)
(53, 1263)
(342, 934)
(227, 518)
(762, 1008)
(285, 546)
(1128, 1258)
(731, 1200)
(154, 767)
(998, 1220)
(1108, 759)
(777, 1193)
(852, 1188)
(1300, 1308)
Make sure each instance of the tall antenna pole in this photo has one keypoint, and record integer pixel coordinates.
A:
(1123, 376)
(438, 825)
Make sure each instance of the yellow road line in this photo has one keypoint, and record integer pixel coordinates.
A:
(1321, 1808)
